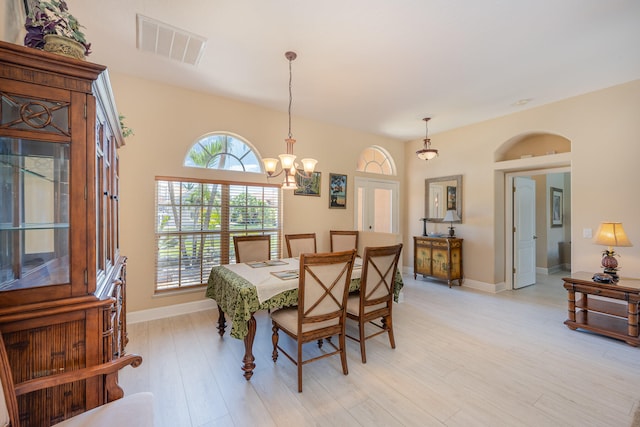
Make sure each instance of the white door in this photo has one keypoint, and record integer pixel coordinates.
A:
(524, 236)
(376, 203)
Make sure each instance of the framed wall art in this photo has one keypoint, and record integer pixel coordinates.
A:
(451, 197)
(337, 191)
(556, 207)
(307, 186)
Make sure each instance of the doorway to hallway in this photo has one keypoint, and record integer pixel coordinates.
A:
(536, 240)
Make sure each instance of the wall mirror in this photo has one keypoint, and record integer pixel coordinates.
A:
(443, 194)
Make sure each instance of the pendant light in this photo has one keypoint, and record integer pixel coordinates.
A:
(288, 159)
(427, 153)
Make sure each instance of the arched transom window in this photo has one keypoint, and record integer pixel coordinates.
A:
(221, 150)
(376, 160)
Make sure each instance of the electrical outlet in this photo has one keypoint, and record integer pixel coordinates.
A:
(587, 233)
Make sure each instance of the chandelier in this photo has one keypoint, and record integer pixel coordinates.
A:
(289, 166)
(427, 153)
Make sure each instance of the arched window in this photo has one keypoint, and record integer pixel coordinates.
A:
(376, 200)
(221, 150)
(376, 160)
(197, 219)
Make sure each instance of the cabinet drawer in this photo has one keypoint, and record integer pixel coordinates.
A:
(593, 290)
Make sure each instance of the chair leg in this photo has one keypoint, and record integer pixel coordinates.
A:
(343, 352)
(299, 366)
(320, 343)
(363, 352)
(388, 324)
(274, 340)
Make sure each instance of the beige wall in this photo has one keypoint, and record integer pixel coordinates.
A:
(605, 147)
(167, 120)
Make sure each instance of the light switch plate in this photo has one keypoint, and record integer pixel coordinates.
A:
(587, 233)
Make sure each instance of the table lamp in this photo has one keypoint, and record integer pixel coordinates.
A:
(451, 216)
(611, 234)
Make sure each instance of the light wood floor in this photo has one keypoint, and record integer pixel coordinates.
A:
(463, 358)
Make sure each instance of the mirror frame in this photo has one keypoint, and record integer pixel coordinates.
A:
(427, 182)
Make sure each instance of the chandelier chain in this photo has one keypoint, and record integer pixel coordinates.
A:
(290, 98)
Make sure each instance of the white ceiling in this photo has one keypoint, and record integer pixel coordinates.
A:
(382, 65)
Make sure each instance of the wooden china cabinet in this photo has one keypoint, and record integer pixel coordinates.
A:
(62, 277)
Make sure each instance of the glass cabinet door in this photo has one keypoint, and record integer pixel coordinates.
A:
(34, 213)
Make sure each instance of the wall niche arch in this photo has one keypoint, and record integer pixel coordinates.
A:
(532, 144)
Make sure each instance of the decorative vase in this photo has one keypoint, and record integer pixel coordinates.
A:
(63, 46)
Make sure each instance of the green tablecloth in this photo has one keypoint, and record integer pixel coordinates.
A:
(239, 300)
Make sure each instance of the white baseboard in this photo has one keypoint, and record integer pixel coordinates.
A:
(483, 286)
(542, 270)
(551, 270)
(472, 284)
(170, 311)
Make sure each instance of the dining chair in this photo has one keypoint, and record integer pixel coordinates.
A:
(131, 410)
(300, 243)
(322, 295)
(343, 240)
(252, 248)
(375, 298)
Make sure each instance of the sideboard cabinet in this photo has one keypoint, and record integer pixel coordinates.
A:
(438, 258)
(62, 277)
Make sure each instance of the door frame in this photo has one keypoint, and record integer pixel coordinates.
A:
(508, 214)
(370, 183)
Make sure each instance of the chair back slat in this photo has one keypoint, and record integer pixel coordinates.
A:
(300, 244)
(343, 240)
(8, 402)
(252, 248)
(324, 286)
(378, 273)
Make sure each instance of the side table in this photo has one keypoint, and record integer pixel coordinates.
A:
(614, 313)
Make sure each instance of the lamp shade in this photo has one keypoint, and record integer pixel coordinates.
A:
(309, 165)
(427, 153)
(270, 165)
(612, 234)
(451, 216)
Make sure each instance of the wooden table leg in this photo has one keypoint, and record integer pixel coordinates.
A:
(632, 319)
(221, 322)
(248, 349)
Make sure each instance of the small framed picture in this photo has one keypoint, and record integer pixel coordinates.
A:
(451, 197)
(337, 191)
(307, 186)
(556, 207)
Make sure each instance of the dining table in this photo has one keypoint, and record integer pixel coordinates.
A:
(242, 289)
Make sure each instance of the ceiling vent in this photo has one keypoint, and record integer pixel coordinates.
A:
(168, 41)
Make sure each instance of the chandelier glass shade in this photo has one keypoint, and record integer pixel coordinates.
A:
(288, 159)
(427, 153)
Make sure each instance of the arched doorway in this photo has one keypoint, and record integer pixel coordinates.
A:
(544, 158)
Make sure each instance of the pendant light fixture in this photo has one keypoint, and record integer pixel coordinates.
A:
(427, 153)
(288, 159)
